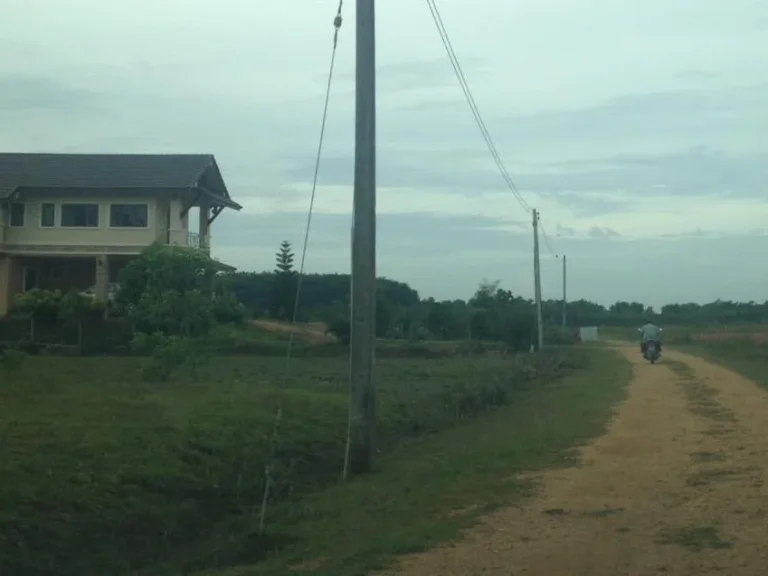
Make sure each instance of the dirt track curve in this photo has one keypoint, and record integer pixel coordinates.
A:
(676, 487)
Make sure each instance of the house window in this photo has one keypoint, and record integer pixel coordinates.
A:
(17, 214)
(128, 215)
(80, 215)
(47, 214)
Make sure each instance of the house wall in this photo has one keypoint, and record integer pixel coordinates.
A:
(10, 282)
(165, 224)
(32, 233)
(179, 226)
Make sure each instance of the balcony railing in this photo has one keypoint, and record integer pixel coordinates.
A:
(194, 240)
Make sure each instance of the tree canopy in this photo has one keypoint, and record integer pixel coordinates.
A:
(491, 313)
(176, 290)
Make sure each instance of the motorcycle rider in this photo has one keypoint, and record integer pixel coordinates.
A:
(650, 333)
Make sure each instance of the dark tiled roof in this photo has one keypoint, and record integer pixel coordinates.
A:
(105, 171)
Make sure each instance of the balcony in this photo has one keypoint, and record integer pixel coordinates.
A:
(194, 240)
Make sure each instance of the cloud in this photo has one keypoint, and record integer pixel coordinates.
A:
(694, 172)
(697, 233)
(22, 92)
(627, 147)
(604, 232)
(399, 78)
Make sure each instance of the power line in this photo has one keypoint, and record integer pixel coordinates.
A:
(472, 104)
(437, 18)
(546, 241)
(279, 414)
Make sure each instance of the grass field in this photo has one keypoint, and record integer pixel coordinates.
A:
(271, 339)
(745, 355)
(741, 347)
(93, 458)
(430, 489)
(693, 333)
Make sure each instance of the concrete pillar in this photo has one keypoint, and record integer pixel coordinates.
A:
(102, 278)
(205, 213)
(5, 285)
(163, 220)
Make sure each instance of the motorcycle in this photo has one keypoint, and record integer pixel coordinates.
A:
(652, 352)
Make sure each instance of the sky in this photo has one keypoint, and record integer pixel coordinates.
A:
(637, 129)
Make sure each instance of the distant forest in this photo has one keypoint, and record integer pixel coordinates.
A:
(401, 313)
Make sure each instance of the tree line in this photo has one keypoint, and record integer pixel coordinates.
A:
(491, 313)
(182, 293)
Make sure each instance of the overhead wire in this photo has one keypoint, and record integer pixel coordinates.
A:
(269, 468)
(438, 20)
(547, 243)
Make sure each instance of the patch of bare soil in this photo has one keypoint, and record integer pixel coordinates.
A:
(311, 331)
(676, 487)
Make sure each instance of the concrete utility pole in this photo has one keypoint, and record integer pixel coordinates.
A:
(565, 298)
(362, 414)
(537, 279)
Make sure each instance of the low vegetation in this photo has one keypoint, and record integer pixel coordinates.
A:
(149, 455)
(96, 458)
(432, 487)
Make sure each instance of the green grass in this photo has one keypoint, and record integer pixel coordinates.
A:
(697, 538)
(740, 354)
(679, 334)
(253, 340)
(106, 473)
(425, 492)
(670, 335)
(744, 356)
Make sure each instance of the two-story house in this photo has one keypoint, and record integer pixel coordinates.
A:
(72, 221)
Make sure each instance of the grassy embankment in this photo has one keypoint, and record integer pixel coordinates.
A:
(104, 473)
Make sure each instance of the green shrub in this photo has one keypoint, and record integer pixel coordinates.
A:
(52, 306)
(341, 329)
(228, 310)
(167, 353)
(41, 305)
(174, 290)
(559, 336)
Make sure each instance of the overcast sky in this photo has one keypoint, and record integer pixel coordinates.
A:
(638, 129)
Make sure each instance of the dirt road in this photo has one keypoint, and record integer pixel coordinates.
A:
(676, 487)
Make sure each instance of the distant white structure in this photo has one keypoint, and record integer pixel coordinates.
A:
(588, 334)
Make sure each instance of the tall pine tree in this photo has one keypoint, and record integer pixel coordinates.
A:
(284, 258)
(284, 295)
